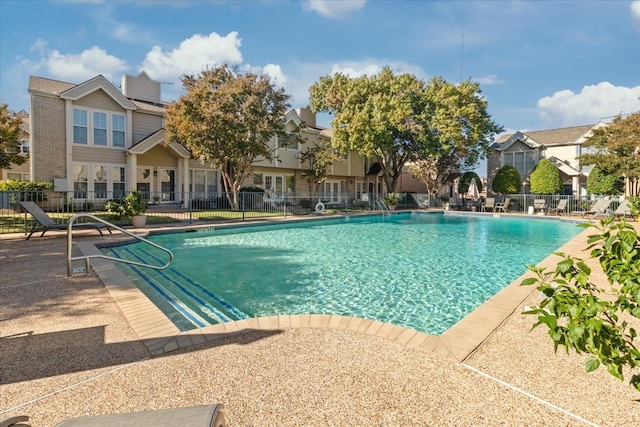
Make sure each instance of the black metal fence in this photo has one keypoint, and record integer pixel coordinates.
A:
(194, 208)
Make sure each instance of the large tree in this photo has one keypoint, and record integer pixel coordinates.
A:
(10, 139)
(398, 119)
(615, 148)
(226, 118)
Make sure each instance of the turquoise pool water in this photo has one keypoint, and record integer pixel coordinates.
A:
(420, 270)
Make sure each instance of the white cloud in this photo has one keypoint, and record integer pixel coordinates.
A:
(275, 73)
(371, 67)
(333, 8)
(74, 67)
(192, 56)
(490, 79)
(592, 104)
(635, 14)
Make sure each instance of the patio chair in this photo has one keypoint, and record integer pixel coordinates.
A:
(600, 207)
(489, 203)
(194, 416)
(504, 206)
(560, 207)
(540, 205)
(45, 223)
(623, 210)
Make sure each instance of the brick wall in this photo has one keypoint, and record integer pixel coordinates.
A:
(47, 138)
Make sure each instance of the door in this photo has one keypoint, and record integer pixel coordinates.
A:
(167, 179)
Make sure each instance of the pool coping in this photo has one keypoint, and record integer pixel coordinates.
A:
(457, 343)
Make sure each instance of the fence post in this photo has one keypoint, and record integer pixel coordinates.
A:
(242, 200)
(190, 207)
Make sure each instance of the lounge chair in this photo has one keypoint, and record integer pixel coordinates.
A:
(45, 223)
(561, 207)
(489, 203)
(504, 206)
(540, 205)
(600, 207)
(14, 421)
(623, 210)
(195, 416)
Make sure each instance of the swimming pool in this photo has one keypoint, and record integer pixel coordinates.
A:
(424, 271)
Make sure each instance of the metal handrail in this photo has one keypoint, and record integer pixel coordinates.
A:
(86, 258)
(382, 205)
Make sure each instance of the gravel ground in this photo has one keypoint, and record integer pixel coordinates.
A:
(67, 350)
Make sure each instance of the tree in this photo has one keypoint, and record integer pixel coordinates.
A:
(227, 118)
(319, 158)
(615, 148)
(599, 182)
(545, 178)
(506, 181)
(10, 139)
(465, 182)
(434, 172)
(595, 319)
(398, 119)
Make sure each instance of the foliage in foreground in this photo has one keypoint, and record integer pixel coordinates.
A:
(586, 318)
(9, 139)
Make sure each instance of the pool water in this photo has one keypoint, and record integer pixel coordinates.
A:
(424, 271)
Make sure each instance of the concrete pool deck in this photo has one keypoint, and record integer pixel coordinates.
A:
(89, 345)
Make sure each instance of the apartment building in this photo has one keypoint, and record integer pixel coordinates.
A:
(95, 141)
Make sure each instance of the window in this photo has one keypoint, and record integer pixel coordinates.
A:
(204, 183)
(80, 181)
(80, 126)
(18, 176)
(289, 142)
(25, 146)
(99, 128)
(118, 130)
(100, 182)
(523, 161)
(117, 181)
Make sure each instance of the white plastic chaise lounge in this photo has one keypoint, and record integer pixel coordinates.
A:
(44, 223)
(194, 416)
(599, 208)
(502, 206)
(489, 203)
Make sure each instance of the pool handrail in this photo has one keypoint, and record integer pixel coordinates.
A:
(87, 258)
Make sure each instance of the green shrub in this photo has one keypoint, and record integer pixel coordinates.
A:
(545, 179)
(130, 205)
(600, 182)
(465, 182)
(507, 181)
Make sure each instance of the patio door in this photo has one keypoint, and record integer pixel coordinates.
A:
(167, 178)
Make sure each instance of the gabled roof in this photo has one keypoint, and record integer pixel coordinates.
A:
(548, 138)
(44, 85)
(94, 84)
(158, 138)
(518, 136)
(564, 167)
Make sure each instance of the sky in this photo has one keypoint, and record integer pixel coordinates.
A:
(541, 64)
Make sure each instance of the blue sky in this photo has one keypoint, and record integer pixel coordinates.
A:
(541, 64)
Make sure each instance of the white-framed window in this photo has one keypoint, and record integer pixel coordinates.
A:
(24, 146)
(523, 161)
(117, 127)
(204, 183)
(98, 181)
(18, 176)
(275, 185)
(288, 142)
(99, 128)
(333, 190)
(80, 126)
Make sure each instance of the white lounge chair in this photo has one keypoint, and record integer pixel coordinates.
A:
(504, 206)
(623, 210)
(540, 205)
